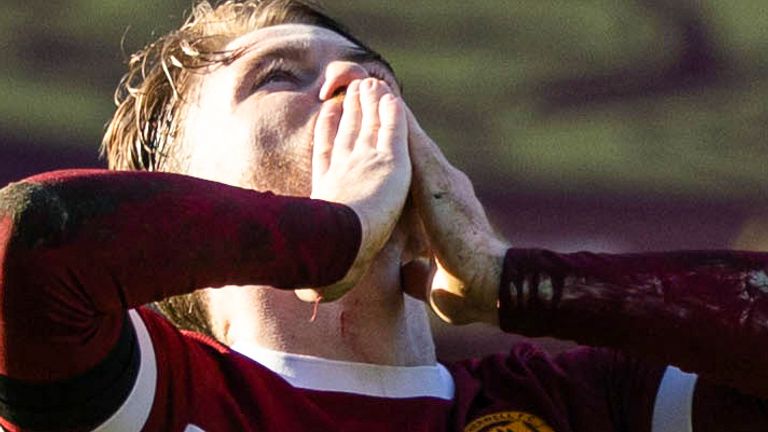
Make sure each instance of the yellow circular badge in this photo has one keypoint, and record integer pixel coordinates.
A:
(508, 421)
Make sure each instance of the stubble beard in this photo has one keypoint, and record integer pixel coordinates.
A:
(285, 168)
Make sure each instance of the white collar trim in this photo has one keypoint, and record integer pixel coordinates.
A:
(316, 373)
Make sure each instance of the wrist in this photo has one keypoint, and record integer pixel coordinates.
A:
(473, 298)
(493, 281)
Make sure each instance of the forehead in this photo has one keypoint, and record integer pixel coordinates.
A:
(304, 36)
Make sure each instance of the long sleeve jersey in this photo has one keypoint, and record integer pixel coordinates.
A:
(81, 251)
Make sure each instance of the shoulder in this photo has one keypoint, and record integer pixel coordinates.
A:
(592, 388)
(183, 377)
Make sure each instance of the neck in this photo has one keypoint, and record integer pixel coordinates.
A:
(374, 323)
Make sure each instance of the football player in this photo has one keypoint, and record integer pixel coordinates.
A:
(262, 159)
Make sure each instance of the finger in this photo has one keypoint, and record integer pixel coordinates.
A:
(349, 126)
(413, 123)
(308, 295)
(326, 127)
(393, 131)
(414, 128)
(421, 147)
(371, 91)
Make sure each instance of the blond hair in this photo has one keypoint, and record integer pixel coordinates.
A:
(145, 130)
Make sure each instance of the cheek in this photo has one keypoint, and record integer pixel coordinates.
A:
(283, 143)
(218, 148)
(280, 127)
(264, 143)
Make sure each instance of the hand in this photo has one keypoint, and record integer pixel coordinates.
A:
(360, 159)
(469, 253)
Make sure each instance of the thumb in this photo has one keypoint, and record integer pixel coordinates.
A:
(447, 297)
(450, 307)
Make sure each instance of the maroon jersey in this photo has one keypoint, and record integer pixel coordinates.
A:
(188, 382)
(80, 251)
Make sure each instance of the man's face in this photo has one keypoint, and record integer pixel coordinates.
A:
(251, 122)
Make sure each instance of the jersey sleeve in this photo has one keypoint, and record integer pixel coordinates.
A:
(80, 248)
(589, 389)
(581, 390)
(706, 312)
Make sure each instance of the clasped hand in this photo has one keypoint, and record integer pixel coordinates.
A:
(370, 153)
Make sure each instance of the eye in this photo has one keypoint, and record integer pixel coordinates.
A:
(278, 75)
(275, 73)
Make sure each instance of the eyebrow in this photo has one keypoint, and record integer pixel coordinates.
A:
(260, 59)
(293, 53)
(297, 53)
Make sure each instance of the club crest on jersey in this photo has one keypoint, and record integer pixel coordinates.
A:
(508, 421)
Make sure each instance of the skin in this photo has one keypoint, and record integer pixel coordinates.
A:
(468, 253)
(270, 126)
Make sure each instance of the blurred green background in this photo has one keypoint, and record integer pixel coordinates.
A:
(585, 124)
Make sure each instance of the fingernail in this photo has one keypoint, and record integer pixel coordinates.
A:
(323, 95)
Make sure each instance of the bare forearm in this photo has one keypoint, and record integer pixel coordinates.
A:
(703, 311)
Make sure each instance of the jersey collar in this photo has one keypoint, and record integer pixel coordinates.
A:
(316, 373)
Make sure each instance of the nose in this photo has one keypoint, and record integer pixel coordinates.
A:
(338, 75)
